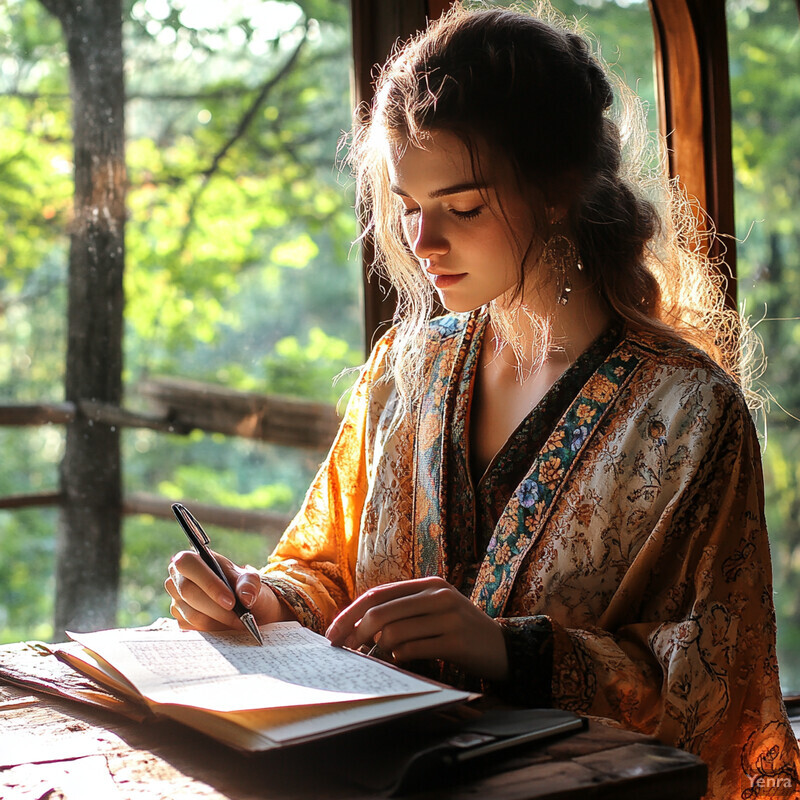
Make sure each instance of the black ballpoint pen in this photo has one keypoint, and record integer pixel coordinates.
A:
(199, 539)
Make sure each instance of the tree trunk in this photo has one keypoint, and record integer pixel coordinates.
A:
(89, 536)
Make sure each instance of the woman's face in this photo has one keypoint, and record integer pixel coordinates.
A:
(470, 234)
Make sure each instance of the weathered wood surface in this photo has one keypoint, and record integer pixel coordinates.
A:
(269, 524)
(108, 414)
(183, 406)
(694, 112)
(37, 414)
(285, 421)
(47, 744)
(33, 500)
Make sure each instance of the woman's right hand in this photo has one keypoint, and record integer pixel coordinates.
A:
(201, 601)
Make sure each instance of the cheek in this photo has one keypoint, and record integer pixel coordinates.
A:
(515, 245)
(501, 242)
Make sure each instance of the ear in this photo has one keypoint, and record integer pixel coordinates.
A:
(556, 213)
(562, 194)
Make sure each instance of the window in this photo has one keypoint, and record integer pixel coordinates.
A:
(764, 42)
(240, 270)
(239, 266)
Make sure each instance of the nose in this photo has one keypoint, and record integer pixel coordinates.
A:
(428, 238)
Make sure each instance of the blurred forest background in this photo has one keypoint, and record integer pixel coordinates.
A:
(240, 268)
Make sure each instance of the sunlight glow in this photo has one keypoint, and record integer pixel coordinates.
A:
(270, 19)
(157, 9)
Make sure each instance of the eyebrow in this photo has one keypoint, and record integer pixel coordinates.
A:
(457, 188)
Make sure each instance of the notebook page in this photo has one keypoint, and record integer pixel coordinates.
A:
(229, 672)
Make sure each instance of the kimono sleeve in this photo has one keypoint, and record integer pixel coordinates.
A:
(690, 657)
(313, 565)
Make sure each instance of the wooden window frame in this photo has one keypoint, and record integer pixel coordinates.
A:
(694, 105)
(377, 25)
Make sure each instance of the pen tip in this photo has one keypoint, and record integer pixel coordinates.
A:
(250, 623)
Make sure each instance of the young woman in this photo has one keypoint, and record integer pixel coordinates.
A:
(553, 492)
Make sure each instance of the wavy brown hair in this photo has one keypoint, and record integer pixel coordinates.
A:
(528, 86)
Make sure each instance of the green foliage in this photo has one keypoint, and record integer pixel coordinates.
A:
(766, 135)
(26, 575)
(203, 481)
(623, 35)
(271, 205)
(293, 369)
(27, 542)
(35, 165)
(32, 155)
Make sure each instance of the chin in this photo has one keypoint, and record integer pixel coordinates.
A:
(459, 307)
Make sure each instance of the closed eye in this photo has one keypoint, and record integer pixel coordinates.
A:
(470, 214)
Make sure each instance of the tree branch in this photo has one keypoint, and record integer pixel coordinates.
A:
(251, 112)
(175, 97)
(241, 129)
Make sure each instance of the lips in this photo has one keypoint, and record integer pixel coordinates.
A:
(444, 281)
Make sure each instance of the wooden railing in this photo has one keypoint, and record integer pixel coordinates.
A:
(180, 406)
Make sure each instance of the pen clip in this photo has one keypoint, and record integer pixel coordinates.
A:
(190, 524)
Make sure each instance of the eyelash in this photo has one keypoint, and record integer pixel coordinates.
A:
(471, 214)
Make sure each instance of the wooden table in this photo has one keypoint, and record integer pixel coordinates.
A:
(57, 749)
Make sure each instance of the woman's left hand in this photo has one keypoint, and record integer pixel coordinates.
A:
(424, 618)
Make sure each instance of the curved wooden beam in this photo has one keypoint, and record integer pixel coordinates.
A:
(695, 111)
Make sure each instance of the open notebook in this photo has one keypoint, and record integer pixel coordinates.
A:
(296, 688)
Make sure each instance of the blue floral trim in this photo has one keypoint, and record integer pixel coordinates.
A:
(530, 505)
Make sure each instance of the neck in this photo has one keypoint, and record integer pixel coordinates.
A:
(572, 328)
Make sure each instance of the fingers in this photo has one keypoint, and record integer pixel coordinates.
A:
(421, 619)
(188, 567)
(383, 605)
(415, 637)
(190, 619)
(425, 615)
(260, 598)
(247, 584)
(200, 600)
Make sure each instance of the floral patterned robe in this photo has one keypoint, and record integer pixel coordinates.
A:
(618, 538)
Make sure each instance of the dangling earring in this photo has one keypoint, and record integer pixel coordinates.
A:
(562, 255)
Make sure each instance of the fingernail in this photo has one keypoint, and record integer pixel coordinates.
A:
(225, 600)
(247, 597)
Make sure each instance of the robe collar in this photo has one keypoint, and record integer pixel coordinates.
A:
(440, 446)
